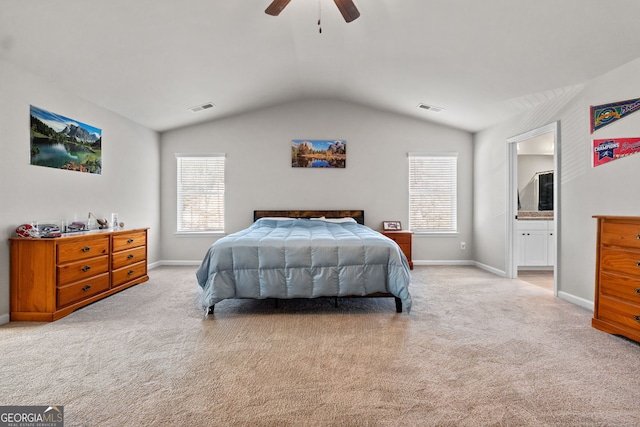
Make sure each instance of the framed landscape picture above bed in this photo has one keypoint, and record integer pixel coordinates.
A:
(318, 153)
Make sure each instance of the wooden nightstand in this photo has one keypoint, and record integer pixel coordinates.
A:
(403, 239)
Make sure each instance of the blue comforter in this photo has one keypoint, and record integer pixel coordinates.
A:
(300, 258)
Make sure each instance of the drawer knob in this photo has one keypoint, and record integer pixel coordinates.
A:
(638, 236)
(130, 256)
(86, 288)
(130, 241)
(130, 272)
(638, 291)
(86, 249)
(86, 268)
(637, 263)
(637, 318)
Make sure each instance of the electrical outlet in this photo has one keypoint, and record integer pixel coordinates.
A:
(463, 245)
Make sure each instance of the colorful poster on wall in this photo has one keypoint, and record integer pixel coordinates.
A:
(318, 153)
(63, 143)
(608, 150)
(605, 114)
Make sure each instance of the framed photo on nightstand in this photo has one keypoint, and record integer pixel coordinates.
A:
(391, 226)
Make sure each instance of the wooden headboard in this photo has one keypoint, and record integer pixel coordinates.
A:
(358, 215)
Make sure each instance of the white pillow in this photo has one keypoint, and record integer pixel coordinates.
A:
(277, 218)
(335, 220)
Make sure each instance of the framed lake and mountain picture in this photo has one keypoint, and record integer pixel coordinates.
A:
(63, 143)
(318, 153)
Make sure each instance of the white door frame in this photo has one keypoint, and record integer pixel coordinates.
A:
(511, 263)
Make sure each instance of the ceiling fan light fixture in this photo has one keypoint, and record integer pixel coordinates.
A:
(276, 7)
(431, 108)
(347, 8)
(202, 107)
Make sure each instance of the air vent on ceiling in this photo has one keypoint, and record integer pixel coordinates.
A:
(201, 107)
(431, 108)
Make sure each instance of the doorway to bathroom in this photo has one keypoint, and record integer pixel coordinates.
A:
(532, 206)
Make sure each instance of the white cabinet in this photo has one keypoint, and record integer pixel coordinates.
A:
(551, 244)
(536, 243)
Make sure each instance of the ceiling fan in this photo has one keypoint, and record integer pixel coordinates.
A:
(348, 10)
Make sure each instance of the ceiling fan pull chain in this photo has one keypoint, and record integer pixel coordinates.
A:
(319, 17)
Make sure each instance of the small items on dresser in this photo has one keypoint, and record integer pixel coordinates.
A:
(617, 294)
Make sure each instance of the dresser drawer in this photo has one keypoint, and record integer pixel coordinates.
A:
(81, 290)
(82, 249)
(128, 273)
(131, 256)
(620, 260)
(620, 234)
(80, 270)
(129, 240)
(624, 287)
(619, 312)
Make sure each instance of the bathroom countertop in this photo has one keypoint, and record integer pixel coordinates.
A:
(535, 215)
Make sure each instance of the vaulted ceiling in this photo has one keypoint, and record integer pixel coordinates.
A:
(482, 61)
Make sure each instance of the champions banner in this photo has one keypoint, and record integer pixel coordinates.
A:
(608, 150)
(605, 114)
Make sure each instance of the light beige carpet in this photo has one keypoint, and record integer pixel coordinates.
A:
(476, 350)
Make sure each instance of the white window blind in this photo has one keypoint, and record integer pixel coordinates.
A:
(200, 192)
(433, 193)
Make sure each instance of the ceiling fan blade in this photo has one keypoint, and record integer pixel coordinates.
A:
(348, 10)
(276, 7)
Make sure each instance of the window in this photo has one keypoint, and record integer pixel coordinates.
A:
(200, 193)
(433, 193)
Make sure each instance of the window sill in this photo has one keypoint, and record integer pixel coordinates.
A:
(199, 233)
(436, 234)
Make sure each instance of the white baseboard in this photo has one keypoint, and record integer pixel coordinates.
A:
(490, 269)
(576, 300)
(172, 262)
(532, 268)
(4, 318)
(461, 262)
(443, 262)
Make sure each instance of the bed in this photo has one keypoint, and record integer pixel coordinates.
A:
(305, 254)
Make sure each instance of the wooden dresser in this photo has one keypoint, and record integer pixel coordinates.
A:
(50, 278)
(617, 296)
(404, 240)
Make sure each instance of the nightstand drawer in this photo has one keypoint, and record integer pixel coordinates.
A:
(399, 238)
(404, 240)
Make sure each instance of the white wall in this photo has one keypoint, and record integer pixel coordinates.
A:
(259, 173)
(128, 184)
(584, 191)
